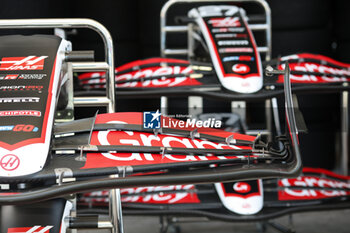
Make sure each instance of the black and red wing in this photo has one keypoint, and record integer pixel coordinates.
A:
(153, 73)
(315, 189)
(311, 70)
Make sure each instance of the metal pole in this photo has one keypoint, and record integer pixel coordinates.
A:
(344, 133)
(164, 105)
(276, 116)
(115, 210)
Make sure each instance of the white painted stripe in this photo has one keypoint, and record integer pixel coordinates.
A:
(23, 60)
(36, 60)
(31, 230)
(45, 229)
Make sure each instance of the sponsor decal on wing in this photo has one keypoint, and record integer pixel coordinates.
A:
(316, 69)
(95, 160)
(319, 181)
(133, 74)
(230, 43)
(22, 63)
(9, 162)
(242, 197)
(22, 88)
(35, 229)
(19, 128)
(172, 194)
(20, 100)
(21, 113)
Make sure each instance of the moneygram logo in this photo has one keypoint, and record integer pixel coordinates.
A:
(22, 63)
(240, 68)
(241, 187)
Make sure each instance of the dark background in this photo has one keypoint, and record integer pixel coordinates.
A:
(313, 26)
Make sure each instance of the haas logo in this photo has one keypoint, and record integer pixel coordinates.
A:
(240, 68)
(241, 187)
(9, 162)
(225, 22)
(22, 63)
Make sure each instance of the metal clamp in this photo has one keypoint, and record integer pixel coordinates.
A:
(230, 139)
